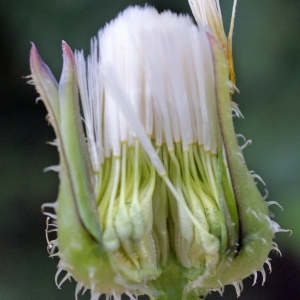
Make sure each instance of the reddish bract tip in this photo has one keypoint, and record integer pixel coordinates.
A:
(35, 59)
(67, 53)
(213, 41)
(39, 70)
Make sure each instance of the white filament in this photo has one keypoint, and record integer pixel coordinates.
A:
(160, 63)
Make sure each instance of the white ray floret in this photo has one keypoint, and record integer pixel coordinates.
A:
(168, 85)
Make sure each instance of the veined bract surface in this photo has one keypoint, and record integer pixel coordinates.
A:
(155, 197)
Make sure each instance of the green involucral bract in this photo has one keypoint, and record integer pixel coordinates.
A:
(161, 203)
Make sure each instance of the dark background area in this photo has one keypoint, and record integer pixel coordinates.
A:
(267, 59)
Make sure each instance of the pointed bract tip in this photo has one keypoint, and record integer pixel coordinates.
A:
(67, 51)
(34, 55)
(37, 65)
(212, 40)
(42, 77)
(69, 65)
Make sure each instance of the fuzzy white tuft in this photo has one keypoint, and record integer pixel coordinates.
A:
(147, 61)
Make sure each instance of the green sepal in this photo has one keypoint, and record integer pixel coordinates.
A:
(87, 262)
(255, 238)
(47, 86)
(62, 104)
(74, 146)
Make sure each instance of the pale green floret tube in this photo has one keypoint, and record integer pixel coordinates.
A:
(155, 197)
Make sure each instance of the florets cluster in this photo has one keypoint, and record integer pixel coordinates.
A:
(155, 197)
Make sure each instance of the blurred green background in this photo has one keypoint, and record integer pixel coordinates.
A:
(267, 59)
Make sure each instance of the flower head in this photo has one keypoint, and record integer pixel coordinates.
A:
(155, 197)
